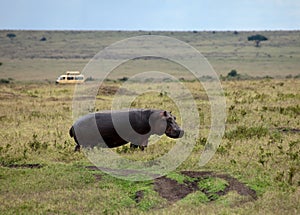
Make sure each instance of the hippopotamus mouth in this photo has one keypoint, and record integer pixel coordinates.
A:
(170, 132)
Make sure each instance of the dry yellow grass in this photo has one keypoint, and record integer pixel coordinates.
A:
(260, 147)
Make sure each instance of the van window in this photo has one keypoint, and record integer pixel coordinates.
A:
(62, 78)
(78, 78)
(70, 77)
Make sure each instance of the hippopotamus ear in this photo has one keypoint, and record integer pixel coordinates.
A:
(164, 114)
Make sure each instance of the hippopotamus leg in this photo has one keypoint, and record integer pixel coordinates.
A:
(142, 145)
(77, 148)
(72, 134)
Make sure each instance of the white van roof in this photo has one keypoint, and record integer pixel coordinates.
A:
(72, 72)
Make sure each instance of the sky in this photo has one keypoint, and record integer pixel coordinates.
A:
(150, 15)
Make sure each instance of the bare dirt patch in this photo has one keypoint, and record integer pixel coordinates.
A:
(7, 95)
(288, 130)
(174, 191)
(25, 166)
(112, 90)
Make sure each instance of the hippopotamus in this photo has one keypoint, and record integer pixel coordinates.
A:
(116, 128)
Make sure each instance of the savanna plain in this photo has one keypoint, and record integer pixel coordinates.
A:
(255, 170)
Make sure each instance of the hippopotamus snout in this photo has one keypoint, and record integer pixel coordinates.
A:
(175, 133)
(181, 133)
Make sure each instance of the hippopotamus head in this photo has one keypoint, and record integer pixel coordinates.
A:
(165, 122)
(172, 129)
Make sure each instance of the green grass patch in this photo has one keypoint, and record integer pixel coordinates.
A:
(195, 198)
(211, 186)
(180, 178)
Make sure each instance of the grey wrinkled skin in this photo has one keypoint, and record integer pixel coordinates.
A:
(116, 128)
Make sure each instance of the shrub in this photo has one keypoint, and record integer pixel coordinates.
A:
(11, 35)
(92, 79)
(124, 79)
(43, 39)
(232, 73)
(4, 81)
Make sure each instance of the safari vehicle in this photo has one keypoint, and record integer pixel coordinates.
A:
(71, 77)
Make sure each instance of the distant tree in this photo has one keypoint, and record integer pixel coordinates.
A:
(43, 39)
(232, 73)
(10, 35)
(257, 38)
(123, 79)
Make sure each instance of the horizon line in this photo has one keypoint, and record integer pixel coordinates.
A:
(151, 30)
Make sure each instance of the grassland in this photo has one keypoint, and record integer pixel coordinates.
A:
(260, 148)
(25, 57)
(41, 174)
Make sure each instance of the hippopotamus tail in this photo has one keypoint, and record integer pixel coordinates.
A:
(72, 134)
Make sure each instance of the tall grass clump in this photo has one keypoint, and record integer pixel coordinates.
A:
(244, 132)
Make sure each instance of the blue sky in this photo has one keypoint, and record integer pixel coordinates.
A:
(150, 14)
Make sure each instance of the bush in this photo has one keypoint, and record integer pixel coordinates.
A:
(232, 73)
(4, 81)
(297, 76)
(124, 79)
(11, 35)
(43, 39)
(90, 79)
